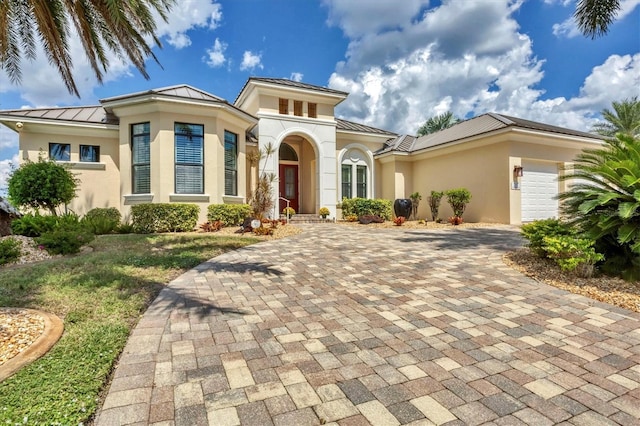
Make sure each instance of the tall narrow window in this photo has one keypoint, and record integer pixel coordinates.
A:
(189, 149)
(297, 108)
(346, 181)
(230, 163)
(361, 181)
(312, 110)
(283, 106)
(141, 158)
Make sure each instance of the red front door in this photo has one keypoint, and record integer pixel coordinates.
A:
(289, 186)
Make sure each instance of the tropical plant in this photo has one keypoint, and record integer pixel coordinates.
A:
(434, 203)
(119, 26)
(44, 184)
(437, 123)
(604, 202)
(415, 202)
(625, 118)
(261, 199)
(538, 230)
(573, 254)
(593, 17)
(458, 199)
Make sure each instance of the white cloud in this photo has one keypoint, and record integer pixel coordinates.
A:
(568, 28)
(296, 76)
(8, 138)
(6, 167)
(215, 55)
(186, 15)
(251, 61)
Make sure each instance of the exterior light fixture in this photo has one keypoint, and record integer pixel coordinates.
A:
(517, 171)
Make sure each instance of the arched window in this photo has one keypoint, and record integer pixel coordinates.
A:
(287, 153)
(354, 175)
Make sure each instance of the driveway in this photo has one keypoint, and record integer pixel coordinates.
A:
(356, 326)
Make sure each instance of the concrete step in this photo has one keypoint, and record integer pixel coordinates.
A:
(307, 218)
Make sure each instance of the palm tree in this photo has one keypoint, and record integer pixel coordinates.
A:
(119, 26)
(625, 118)
(437, 123)
(594, 16)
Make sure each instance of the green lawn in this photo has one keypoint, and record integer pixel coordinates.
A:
(100, 296)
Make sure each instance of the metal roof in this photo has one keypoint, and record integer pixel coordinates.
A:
(295, 84)
(361, 128)
(402, 143)
(178, 91)
(87, 114)
(476, 126)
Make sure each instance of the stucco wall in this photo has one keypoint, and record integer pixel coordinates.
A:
(99, 184)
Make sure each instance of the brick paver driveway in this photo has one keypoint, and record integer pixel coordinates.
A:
(359, 326)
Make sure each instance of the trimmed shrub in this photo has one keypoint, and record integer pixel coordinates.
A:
(434, 203)
(537, 230)
(102, 220)
(9, 250)
(33, 225)
(65, 240)
(229, 214)
(366, 206)
(289, 210)
(164, 217)
(458, 199)
(572, 254)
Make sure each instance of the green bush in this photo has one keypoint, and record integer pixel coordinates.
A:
(572, 254)
(366, 207)
(164, 217)
(9, 250)
(102, 220)
(229, 214)
(434, 203)
(458, 199)
(537, 230)
(33, 225)
(65, 240)
(288, 210)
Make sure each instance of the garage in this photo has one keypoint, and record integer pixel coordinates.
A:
(539, 189)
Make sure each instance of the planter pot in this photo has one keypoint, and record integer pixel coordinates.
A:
(402, 207)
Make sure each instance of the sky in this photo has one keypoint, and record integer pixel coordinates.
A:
(401, 61)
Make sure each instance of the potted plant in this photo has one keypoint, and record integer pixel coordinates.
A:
(324, 212)
(288, 211)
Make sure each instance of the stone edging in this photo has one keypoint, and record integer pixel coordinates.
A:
(53, 328)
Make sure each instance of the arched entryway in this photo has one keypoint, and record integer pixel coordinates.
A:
(297, 173)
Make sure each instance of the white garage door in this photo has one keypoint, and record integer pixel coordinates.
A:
(539, 187)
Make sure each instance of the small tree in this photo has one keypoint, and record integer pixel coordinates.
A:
(458, 199)
(262, 198)
(415, 202)
(44, 184)
(434, 203)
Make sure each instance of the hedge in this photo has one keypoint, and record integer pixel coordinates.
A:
(229, 214)
(365, 207)
(164, 217)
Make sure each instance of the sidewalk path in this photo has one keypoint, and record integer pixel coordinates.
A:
(357, 326)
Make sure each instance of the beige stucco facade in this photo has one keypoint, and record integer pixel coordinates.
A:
(318, 159)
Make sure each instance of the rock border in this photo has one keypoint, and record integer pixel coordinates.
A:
(53, 328)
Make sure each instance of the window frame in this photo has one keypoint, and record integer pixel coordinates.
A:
(283, 106)
(66, 151)
(361, 186)
(346, 186)
(312, 110)
(231, 171)
(96, 149)
(188, 164)
(297, 108)
(135, 165)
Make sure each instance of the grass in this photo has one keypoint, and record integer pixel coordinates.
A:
(100, 296)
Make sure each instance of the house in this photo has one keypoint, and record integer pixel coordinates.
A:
(183, 145)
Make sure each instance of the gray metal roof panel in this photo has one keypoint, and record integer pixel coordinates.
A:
(297, 85)
(357, 127)
(86, 114)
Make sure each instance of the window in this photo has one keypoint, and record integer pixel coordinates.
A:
(189, 146)
(283, 106)
(141, 158)
(230, 163)
(361, 181)
(346, 181)
(90, 153)
(354, 174)
(312, 110)
(60, 151)
(297, 108)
